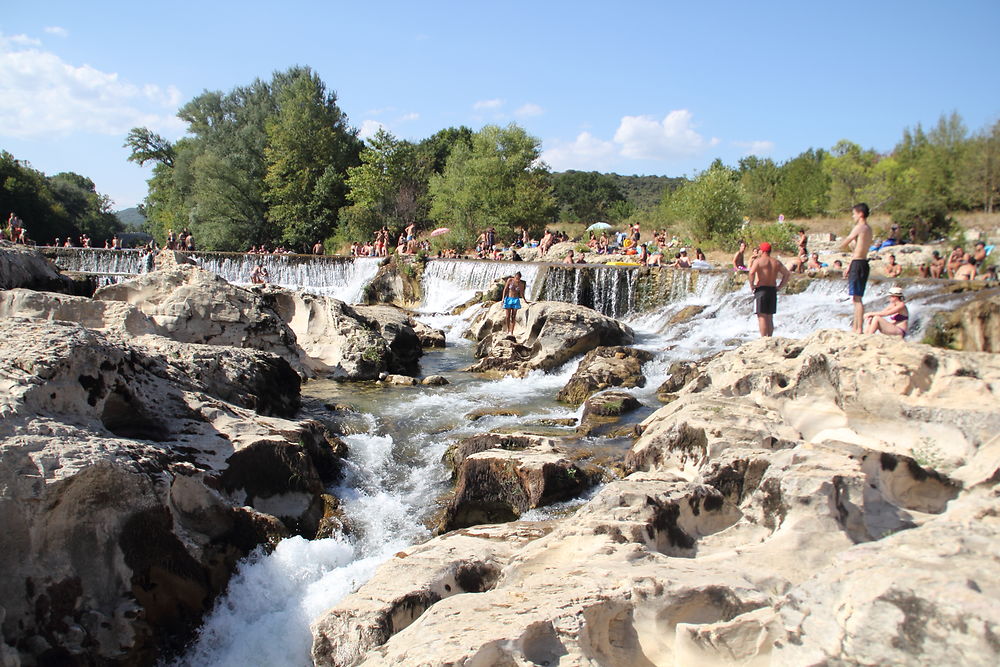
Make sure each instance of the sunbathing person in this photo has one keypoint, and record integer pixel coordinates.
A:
(893, 320)
(892, 270)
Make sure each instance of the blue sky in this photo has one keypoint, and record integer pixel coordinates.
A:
(632, 87)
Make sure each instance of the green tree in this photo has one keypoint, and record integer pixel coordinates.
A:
(26, 192)
(803, 187)
(498, 181)
(849, 168)
(710, 207)
(389, 187)
(759, 178)
(88, 211)
(587, 196)
(924, 188)
(979, 171)
(308, 152)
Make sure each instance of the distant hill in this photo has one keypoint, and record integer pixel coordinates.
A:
(644, 192)
(131, 217)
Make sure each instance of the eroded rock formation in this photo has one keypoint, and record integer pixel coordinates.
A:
(129, 487)
(547, 335)
(828, 500)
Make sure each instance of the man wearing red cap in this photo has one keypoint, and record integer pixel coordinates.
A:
(766, 277)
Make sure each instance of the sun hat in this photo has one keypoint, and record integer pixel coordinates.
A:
(896, 291)
(765, 247)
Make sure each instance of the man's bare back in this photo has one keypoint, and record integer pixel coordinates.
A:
(764, 272)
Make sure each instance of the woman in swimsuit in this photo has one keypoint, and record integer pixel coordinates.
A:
(894, 320)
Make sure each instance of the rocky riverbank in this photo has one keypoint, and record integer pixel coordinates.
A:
(832, 499)
(829, 499)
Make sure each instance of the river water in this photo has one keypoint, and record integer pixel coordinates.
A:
(394, 477)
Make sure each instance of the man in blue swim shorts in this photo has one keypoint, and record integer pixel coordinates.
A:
(513, 294)
(857, 273)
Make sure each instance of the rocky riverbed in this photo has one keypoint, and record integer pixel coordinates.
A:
(829, 499)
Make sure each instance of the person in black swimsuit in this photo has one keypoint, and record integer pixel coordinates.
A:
(765, 277)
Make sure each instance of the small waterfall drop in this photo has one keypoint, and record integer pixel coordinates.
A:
(394, 478)
(105, 262)
(449, 283)
(343, 278)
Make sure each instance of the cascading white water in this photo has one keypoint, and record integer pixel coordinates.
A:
(449, 283)
(394, 472)
(343, 278)
(110, 263)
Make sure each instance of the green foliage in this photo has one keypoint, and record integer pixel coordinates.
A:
(850, 170)
(709, 207)
(781, 235)
(586, 196)
(979, 170)
(388, 188)
(66, 204)
(803, 187)
(497, 181)
(645, 192)
(759, 178)
(309, 148)
(265, 164)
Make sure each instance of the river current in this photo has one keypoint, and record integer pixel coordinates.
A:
(395, 480)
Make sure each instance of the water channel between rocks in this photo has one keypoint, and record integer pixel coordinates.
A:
(394, 478)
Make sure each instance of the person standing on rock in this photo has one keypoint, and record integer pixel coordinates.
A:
(766, 276)
(857, 273)
(513, 293)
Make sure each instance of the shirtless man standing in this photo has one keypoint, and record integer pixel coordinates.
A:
(766, 277)
(857, 273)
(513, 294)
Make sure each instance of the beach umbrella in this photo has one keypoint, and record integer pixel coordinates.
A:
(598, 225)
(439, 231)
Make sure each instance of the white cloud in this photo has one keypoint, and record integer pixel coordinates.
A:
(585, 152)
(58, 31)
(42, 95)
(487, 104)
(646, 138)
(529, 109)
(369, 128)
(406, 118)
(758, 148)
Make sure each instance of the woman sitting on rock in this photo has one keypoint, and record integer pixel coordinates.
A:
(894, 320)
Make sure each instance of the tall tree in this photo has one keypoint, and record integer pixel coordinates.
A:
(309, 149)
(87, 209)
(389, 187)
(711, 206)
(979, 173)
(803, 187)
(499, 181)
(759, 178)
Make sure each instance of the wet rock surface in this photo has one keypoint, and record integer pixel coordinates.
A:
(604, 368)
(785, 480)
(129, 487)
(547, 334)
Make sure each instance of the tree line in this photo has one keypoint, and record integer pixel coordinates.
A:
(66, 204)
(277, 163)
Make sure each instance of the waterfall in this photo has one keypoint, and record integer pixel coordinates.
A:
(394, 477)
(343, 278)
(449, 283)
(110, 263)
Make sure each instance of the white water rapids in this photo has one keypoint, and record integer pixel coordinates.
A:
(394, 472)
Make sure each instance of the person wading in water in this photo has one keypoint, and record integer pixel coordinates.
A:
(763, 279)
(857, 273)
(513, 294)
